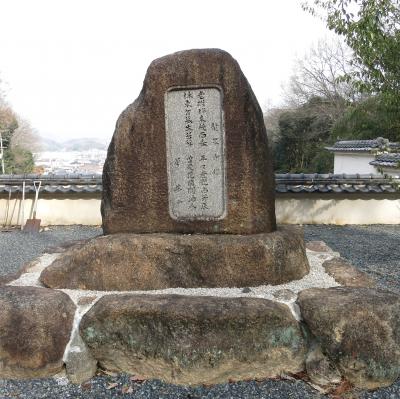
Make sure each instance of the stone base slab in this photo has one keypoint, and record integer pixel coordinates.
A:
(35, 326)
(124, 262)
(194, 340)
(358, 330)
(347, 275)
(336, 334)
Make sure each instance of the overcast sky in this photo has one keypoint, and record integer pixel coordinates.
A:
(72, 66)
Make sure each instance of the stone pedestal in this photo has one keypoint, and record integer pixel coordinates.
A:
(194, 340)
(123, 262)
(204, 336)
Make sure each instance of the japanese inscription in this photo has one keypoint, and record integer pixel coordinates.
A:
(195, 153)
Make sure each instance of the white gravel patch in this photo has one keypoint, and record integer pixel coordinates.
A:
(33, 271)
(317, 278)
(79, 313)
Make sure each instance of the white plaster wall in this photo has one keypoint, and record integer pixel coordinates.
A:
(296, 209)
(51, 211)
(338, 211)
(351, 163)
(390, 172)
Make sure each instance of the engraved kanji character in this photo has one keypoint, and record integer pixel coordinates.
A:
(177, 188)
(203, 143)
(215, 126)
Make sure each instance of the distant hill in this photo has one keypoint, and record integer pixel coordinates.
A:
(82, 144)
(49, 145)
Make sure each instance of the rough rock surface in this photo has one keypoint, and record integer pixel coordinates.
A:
(318, 246)
(358, 329)
(79, 363)
(285, 295)
(35, 326)
(193, 340)
(125, 262)
(8, 278)
(135, 190)
(347, 275)
(320, 370)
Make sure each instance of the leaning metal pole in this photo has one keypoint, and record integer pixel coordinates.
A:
(2, 154)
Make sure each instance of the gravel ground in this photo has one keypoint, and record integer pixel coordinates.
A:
(154, 389)
(374, 249)
(17, 247)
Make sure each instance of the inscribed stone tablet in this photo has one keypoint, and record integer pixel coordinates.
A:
(195, 153)
(138, 181)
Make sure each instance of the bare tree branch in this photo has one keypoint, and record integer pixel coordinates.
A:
(320, 74)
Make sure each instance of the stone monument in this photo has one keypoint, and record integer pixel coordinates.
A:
(189, 163)
(188, 209)
(190, 155)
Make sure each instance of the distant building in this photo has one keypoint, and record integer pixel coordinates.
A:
(387, 164)
(80, 162)
(378, 156)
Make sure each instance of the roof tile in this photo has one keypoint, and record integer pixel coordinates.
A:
(285, 183)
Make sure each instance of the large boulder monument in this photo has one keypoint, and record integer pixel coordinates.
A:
(190, 155)
(188, 189)
(192, 281)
